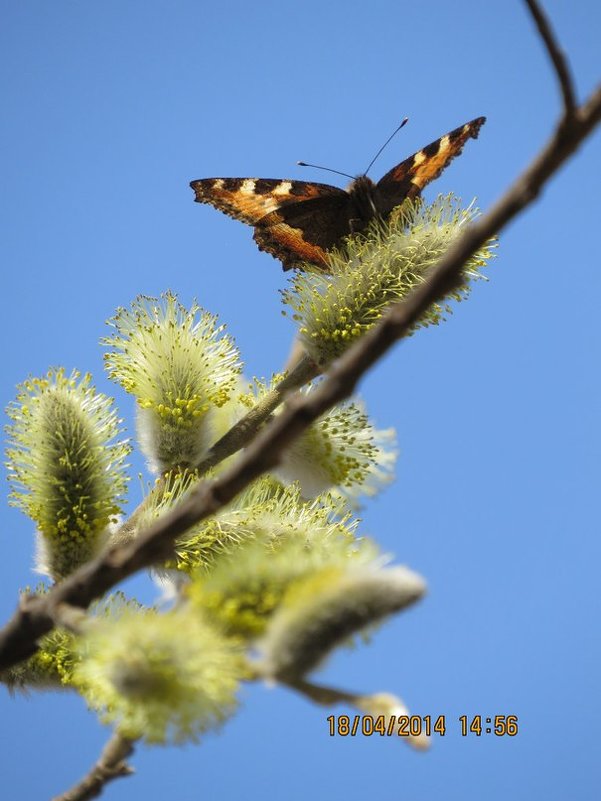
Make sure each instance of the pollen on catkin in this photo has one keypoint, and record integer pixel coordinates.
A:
(376, 269)
(266, 511)
(342, 450)
(65, 467)
(244, 588)
(168, 490)
(166, 678)
(180, 366)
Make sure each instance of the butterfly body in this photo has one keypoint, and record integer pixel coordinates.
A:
(365, 203)
(300, 221)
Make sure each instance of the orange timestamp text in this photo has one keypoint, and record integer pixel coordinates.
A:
(421, 725)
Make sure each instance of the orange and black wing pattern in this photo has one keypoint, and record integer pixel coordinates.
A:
(249, 199)
(303, 232)
(409, 177)
(277, 207)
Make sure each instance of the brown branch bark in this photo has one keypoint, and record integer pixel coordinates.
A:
(556, 54)
(35, 616)
(110, 765)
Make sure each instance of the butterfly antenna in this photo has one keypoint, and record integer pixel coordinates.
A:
(392, 135)
(327, 169)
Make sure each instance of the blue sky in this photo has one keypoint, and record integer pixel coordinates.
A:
(109, 110)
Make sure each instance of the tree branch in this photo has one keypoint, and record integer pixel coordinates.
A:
(110, 765)
(35, 616)
(556, 55)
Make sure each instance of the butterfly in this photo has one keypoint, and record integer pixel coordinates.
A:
(300, 221)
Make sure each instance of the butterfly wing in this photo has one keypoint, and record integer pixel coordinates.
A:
(287, 214)
(408, 178)
(304, 231)
(249, 199)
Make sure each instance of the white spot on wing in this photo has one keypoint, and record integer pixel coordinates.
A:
(283, 188)
(248, 186)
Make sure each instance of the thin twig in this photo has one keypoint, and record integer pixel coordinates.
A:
(110, 765)
(556, 55)
(323, 695)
